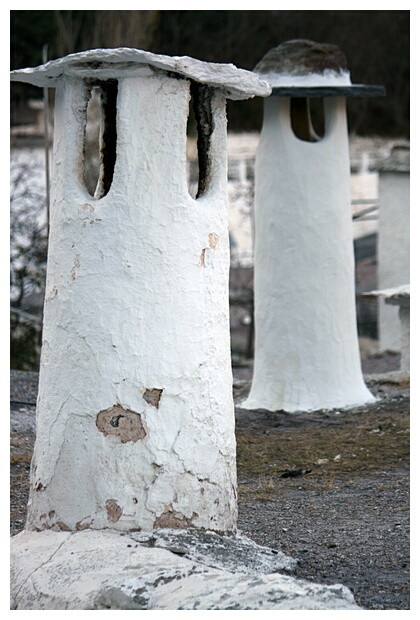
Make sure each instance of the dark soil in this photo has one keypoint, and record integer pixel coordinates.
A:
(330, 488)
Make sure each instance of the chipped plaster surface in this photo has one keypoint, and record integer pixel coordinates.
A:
(135, 410)
(306, 348)
(122, 423)
(106, 570)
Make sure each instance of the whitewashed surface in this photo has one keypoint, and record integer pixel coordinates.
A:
(241, 158)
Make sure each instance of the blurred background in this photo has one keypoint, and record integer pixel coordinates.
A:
(377, 47)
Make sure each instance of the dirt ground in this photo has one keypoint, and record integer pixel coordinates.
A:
(329, 488)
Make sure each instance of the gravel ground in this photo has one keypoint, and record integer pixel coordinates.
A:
(350, 534)
(344, 526)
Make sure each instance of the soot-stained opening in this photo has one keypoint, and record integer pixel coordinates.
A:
(100, 140)
(201, 106)
(307, 118)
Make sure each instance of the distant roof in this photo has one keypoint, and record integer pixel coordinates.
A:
(119, 62)
(305, 68)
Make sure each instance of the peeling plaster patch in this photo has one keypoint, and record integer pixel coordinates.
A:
(83, 526)
(113, 511)
(201, 262)
(123, 423)
(172, 519)
(152, 396)
(46, 526)
(213, 239)
(48, 522)
(63, 527)
(75, 269)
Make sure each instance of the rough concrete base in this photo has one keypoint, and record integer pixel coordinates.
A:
(397, 377)
(165, 570)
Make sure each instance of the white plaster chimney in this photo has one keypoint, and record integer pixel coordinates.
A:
(306, 348)
(393, 240)
(135, 417)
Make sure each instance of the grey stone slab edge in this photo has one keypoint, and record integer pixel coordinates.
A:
(164, 570)
(235, 83)
(357, 90)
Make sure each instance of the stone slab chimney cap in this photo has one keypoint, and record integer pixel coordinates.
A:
(119, 62)
(397, 161)
(305, 68)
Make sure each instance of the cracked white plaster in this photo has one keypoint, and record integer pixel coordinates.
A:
(130, 311)
(196, 451)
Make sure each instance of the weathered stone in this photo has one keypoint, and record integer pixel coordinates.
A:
(300, 58)
(109, 570)
(397, 161)
(122, 62)
(232, 553)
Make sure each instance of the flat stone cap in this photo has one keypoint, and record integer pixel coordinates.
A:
(124, 61)
(301, 57)
(305, 68)
(397, 161)
(398, 295)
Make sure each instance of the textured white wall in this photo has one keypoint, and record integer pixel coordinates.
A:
(306, 349)
(393, 250)
(135, 418)
(404, 316)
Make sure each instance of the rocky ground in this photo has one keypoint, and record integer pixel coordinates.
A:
(329, 488)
